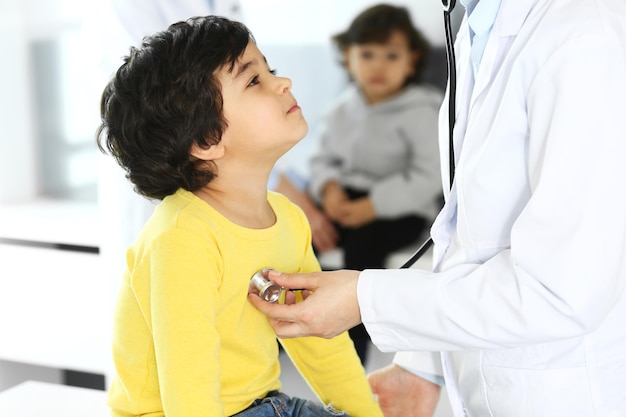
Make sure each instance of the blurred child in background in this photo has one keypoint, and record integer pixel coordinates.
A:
(377, 173)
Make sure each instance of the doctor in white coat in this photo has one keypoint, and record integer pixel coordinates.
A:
(527, 298)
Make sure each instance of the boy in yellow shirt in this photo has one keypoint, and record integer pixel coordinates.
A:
(197, 119)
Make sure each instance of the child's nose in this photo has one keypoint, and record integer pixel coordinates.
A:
(284, 85)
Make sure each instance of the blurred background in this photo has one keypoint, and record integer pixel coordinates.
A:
(66, 212)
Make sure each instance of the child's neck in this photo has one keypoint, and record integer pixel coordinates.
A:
(243, 201)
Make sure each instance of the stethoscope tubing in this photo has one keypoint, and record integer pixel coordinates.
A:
(448, 6)
(452, 87)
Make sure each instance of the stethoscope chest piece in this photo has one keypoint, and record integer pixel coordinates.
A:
(265, 288)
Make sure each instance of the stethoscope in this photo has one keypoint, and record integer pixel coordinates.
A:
(448, 6)
(267, 289)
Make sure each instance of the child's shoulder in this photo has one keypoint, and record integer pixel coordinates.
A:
(279, 200)
(282, 205)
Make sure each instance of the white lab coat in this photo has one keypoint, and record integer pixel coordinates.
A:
(528, 299)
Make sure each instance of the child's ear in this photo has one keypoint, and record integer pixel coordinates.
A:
(210, 153)
(346, 57)
(415, 59)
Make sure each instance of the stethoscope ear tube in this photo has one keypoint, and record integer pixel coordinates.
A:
(448, 6)
(451, 86)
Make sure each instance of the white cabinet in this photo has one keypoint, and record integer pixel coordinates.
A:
(55, 302)
(54, 308)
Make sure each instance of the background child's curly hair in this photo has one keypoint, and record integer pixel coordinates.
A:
(164, 98)
(376, 24)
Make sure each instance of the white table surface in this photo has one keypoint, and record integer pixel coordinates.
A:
(36, 399)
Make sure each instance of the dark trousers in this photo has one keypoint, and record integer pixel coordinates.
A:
(368, 246)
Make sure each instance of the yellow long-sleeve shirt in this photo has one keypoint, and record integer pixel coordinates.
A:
(187, 343)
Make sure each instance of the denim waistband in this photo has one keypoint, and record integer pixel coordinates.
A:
(258, 401)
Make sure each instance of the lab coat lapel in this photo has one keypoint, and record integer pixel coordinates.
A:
(508, 23)
(511, 16)
(465, 83)
(443, 227)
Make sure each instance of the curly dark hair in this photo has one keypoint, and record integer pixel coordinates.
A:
(376, 24)
(166, 97)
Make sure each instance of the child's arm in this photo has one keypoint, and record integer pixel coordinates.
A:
(333, 370)
(186, 340)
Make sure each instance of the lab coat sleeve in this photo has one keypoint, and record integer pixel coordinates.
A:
(426, 365)
(564, 270)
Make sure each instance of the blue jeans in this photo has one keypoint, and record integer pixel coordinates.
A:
(281, 405)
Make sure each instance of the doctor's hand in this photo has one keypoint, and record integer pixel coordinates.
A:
(330, 308)
(404, 394)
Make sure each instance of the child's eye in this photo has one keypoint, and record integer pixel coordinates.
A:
(392, 56)
(254, 81)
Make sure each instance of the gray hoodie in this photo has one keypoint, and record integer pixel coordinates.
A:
(389, 149)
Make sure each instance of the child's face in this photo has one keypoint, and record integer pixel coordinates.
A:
(264, 120)
(381, 69)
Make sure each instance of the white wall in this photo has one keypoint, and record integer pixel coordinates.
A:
(16, 133)
(312, 22)
(47, 114)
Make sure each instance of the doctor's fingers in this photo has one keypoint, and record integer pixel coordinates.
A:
(273, 311)
(332, 307)
(298, 281)
(306, 318)
(288, 330)
(291, 296)
(284, 318)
